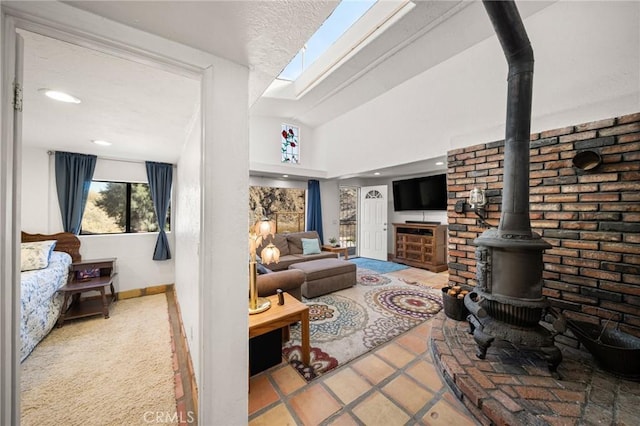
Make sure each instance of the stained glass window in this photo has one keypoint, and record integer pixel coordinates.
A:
(290, 144)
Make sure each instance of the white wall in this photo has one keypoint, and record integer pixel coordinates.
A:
(187, 233)
(35, 191)
(264, 152)
(587, 56)
(41, 214)
(330, 200)
(223, 384)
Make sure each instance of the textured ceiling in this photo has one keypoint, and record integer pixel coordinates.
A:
(145, 112)
(263, 35)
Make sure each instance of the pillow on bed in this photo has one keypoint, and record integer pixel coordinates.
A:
(36, 255)
(310, 246)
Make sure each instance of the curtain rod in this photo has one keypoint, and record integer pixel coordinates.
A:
(124, 160)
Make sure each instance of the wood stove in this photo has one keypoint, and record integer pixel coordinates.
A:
(507, 302)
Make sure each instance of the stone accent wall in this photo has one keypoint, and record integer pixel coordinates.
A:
(591, 218)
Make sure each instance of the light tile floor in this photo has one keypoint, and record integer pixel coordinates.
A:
(396, 384)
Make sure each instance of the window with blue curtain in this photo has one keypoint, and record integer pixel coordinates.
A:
(73, 180)
(314, 208)
(160, 176)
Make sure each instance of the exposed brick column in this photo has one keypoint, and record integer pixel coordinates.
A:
(591, 218)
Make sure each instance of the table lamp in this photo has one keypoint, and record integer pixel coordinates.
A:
(270, 254)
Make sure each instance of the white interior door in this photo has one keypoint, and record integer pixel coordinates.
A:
(373, 222)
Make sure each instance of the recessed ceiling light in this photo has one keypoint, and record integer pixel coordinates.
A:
(376, 174)
(60, 96)
(103, 143)
(285, 175)
(439, 163)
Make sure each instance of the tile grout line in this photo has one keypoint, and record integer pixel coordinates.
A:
(347, 409)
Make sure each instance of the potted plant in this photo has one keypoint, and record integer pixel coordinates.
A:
(334, 242)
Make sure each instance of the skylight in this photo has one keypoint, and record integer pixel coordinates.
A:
(342, 18)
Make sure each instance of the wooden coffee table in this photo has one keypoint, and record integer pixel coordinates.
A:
(340, 250)
(279, 316)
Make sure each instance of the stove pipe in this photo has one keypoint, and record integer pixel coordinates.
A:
(514, 219)
(509, 267)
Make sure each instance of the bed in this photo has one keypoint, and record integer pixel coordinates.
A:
(40, 301)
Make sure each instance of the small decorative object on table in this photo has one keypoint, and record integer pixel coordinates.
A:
(87, 274)
(334, 242)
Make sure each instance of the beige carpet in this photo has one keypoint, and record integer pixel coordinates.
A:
(97, 371)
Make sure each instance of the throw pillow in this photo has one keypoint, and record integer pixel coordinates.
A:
(310, 246)
(36, 255)
(262, 269)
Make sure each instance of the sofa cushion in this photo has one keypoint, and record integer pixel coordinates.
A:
(295, 240)
(324, 268)
(290, 259)
(310, 246)
(279, 240)
(325, 276)
(321, 255)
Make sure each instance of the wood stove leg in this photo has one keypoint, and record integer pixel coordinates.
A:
(483, 340)
(472, 326)
(553, 356)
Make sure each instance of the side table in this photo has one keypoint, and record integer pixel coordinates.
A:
(340, 250)
(85, 276)
(279, 316)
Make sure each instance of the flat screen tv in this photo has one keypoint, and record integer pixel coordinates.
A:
(423, 193)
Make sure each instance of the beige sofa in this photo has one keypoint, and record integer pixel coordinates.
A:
(290, 246)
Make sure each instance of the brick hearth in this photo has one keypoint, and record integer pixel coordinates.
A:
(511, 387)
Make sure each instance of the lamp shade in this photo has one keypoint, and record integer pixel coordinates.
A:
(270, 254)
(265, 227)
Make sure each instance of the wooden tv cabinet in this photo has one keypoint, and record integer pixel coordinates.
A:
(421, 245)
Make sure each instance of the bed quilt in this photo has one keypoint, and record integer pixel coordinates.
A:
(40, 300)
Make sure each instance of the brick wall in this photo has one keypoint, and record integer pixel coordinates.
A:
(591, 218)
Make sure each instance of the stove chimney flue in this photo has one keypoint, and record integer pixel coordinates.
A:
(504, 15)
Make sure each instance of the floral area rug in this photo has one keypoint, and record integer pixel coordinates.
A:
(347, 323)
